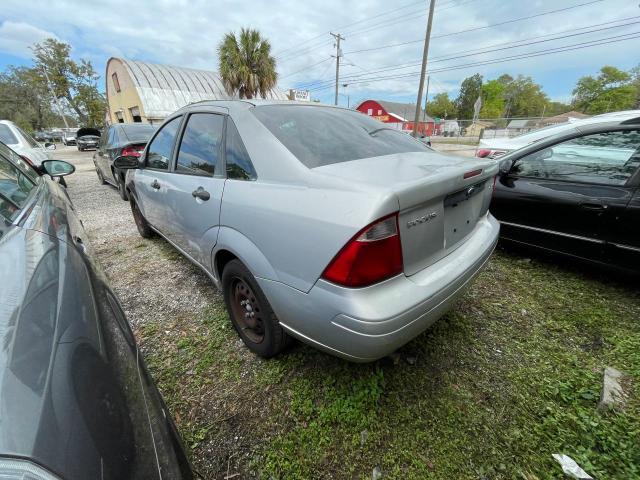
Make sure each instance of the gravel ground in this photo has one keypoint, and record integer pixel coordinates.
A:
(151, 279)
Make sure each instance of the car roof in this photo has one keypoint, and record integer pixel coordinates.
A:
(244, 104)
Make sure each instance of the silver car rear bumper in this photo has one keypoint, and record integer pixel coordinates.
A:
(368, 323)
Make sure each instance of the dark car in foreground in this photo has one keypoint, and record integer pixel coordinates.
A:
(120, 139)
(577, 193)
(87, 138)
(76, 401)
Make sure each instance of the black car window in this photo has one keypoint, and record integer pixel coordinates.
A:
(239, 166)
(6, 135)
(320, 136)
(136, 132)
(161, 147)
(15, 187)
(608, 158)
(201, 144)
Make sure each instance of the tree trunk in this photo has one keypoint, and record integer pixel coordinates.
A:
(83, 118)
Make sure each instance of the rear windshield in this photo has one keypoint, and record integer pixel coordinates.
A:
(138, 133)
(6, 135)
(320, 136)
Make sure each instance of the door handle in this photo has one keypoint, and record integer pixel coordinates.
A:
(155, 185)
(598, 207)
(201, 193)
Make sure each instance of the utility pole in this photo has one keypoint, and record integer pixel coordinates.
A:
(425, 55)
(338, 37)
(55, 98)
(426, 97)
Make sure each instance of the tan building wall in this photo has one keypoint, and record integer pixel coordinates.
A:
(122, 104)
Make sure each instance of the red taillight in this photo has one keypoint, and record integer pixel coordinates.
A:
(134, 151)
(372, 255)
(28, 160)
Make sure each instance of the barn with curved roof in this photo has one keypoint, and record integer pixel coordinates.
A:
(147, 92)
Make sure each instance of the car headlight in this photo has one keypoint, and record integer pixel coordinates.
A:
(14, 469)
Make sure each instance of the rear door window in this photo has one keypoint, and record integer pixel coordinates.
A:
(161, 147)
(201, 145)
(239, 166)
(320, 136)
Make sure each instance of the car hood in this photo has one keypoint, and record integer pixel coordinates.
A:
(87, 131)
(409, 175)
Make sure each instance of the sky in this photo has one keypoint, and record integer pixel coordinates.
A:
(186, 33)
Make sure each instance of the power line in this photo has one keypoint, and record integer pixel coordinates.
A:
(520, 19)
(506, 46)
(566, 48)
(305, 68)
(343, 27)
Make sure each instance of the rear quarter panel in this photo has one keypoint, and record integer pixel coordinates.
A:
(298, 229)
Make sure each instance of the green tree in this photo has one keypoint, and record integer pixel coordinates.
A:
(23, 100)
(71, 81)
(470, 90)
(524, 98)
(492, 99)
(246, 65)
(611, 90)
(441, 106)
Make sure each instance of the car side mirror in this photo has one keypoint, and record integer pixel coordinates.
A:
(126, 162)
(57, 168)
(50, 146)
(505, 166)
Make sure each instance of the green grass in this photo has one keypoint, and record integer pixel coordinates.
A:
(510, 376)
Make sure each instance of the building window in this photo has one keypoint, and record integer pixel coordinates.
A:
(370, 111)
(120, 116)
(379, 112)
(116, 83)
(135, 114)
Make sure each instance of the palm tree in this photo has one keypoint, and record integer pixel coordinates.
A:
(246, 66)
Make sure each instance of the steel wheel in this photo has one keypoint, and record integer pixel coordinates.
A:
(246, 310)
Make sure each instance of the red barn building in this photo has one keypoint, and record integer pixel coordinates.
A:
(400, 114)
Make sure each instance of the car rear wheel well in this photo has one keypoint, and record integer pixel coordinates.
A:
(222, 258)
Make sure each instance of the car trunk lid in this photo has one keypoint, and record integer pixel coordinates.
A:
(440, 198)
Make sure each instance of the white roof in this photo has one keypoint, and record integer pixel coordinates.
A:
(163, 89)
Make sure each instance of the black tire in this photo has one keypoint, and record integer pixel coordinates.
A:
(100, 177)
(261, 333)
(80, 149)
(122, 190)
(144, 229)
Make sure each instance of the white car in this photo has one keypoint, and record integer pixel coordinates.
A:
(24, 144)
(495, 147)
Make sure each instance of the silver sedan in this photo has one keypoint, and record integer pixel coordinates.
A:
(318, 223)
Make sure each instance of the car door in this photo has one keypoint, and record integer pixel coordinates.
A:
(194, 190)
(151, 181)
(565, 196)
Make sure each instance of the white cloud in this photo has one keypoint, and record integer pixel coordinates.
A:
(17, 37)
(187, 34)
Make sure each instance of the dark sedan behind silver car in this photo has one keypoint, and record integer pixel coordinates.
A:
(76, 401)
(317, 222)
